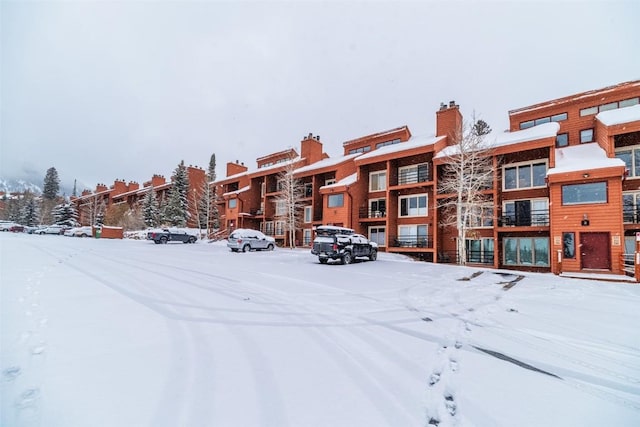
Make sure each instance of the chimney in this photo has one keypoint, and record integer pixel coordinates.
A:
(311, 149)
(235, 168)
(449, 122)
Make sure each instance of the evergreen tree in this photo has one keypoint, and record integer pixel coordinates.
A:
(208, 214)
(150, 209)
(66, 214)
(14, 208)
(481, 128)
(98, 219)
(30, 214)
(176, 211)
(51, 184)
(211, 173)
(74, 193)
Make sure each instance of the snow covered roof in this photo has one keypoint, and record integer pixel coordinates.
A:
(413, 142)
(620, 115)
(242, 190)
(344, 181)
(330, 161)
(545, 130)
(582, 157)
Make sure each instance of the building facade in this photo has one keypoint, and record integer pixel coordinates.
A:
(564, 196)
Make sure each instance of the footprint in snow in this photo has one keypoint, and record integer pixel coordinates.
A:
(434, 379)
(11, 373)
(28, 398)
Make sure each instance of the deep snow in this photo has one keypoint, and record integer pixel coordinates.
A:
(99, 332)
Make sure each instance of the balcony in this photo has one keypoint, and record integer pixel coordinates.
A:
(372, 213)
(410, 241)
(535, 218)
(631, 214)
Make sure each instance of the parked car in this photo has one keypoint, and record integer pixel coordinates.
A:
(245, 239)
(52, 229)
(344, 244)
(84, 231)
(17, 228)
(6, 225)
(170, 235)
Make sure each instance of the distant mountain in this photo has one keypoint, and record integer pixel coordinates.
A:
(18, 186)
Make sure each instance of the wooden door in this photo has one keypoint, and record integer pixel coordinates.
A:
(594, 251)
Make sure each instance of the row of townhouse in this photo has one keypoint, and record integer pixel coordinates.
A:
(89, 203)
(564, 196)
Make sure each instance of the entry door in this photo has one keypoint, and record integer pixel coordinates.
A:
(594, 250)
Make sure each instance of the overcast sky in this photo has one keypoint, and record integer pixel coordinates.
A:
(122, 90)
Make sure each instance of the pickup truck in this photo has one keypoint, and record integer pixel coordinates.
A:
(170, 235)
(340, 243)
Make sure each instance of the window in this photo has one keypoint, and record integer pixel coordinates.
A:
(268, 228)
(263, 188)
(412, 235)
(384, 144)
(308, 212)
(378, 181)
(569, 245)
(233, 203)
(360, 150)
(335, 200)
(526, 212)
(526, 251)
(378, 235)
(630, 204)
(586, 135)
(562, 140)
(281, 207)
(413, 174)
(576, 194)
(480, 250)
(555, 118)
(280, 185)
(526, 175)
(479, 216)
(609, 106)
(631, 158)
(306, 237)
(280, 226)
(308, 189)
(377, 208)
(413, 205)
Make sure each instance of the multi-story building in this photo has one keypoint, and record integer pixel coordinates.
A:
(564, 195)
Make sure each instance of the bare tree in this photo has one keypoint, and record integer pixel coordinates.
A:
(289, 201)
(467, 172)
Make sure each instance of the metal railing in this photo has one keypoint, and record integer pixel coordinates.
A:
(631, 214)
(414, 177)
(372, 213)
(537, 218)
(410, 241)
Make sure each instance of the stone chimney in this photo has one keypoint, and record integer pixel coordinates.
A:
(449, 122)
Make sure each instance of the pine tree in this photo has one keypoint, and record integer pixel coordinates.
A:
(30, 214)
(208, 215)
(176, 211)
(66, 214)
(51, 184)
(74, 193)
(150, 209)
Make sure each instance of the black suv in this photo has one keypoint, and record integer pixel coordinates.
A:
(341, 243)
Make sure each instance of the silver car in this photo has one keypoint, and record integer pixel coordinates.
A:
(244, 239)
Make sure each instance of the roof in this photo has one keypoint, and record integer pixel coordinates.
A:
(344, 181)
(620, 115)
(242, 190)
(331, 161)
(377, 135)
(582, 157)
(413, 142)
(545, 130)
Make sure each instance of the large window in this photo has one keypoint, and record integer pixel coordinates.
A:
(335, 200)
(267, 228)
(555, 118)
(378, 181)
(576, 194)
(525, 175)
(308, 211)
(526, 212)
(281, 207)
(529, 251)
(378, 235)
(413, 205)
(480, 250)
(377, 208)
(413, 174)
(413, 235)
(233, 203)
(479, 216)
(280, 226)
(631, 158)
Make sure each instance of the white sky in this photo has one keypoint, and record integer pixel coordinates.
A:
(106, 90)
(128, 333)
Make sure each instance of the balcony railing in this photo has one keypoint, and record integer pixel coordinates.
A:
(536, 218)
(473, 257)
(631, 214)
(414, 177)
(410, 241)
(372, 213)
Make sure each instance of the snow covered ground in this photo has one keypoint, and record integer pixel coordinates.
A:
(129, 333)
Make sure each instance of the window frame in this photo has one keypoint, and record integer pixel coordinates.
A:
(378, 228)
(378, 174)
(335, 196)
(587, 202)
(582, 132)
(233, 203)
(518, 261)
(566, 144)
(280, 207)
(414, 196)
(407, 171)
(517, 166)
(308, 214)
(634, 171)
